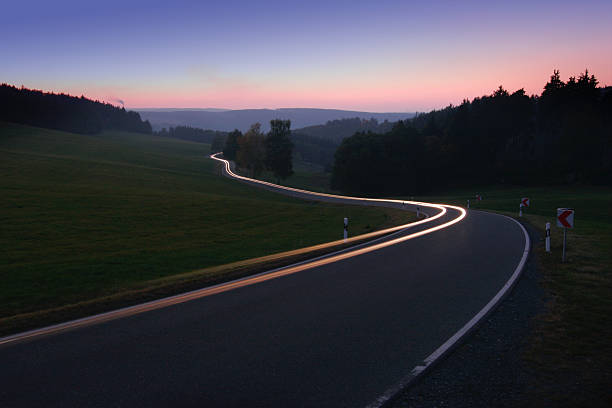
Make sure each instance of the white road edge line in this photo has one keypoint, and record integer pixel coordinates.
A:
(417, 371)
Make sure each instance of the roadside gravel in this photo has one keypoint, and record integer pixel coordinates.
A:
(488, 369)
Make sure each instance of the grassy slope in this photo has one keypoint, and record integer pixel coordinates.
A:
(87, 216)
(305, 176)
(571, 351)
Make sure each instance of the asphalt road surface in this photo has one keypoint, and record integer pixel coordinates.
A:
(333, 335)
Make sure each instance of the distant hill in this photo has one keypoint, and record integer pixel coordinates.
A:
(317, 144)
(312, 144)
(339, 129)
(242, 119)
(180, 109)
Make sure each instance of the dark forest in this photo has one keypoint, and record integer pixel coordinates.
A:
(65, 112)
(563, 136)
(192, 134)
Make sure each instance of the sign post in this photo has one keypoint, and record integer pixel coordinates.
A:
(564, 243)
(345, 228)
(548, 237)
(565, 220)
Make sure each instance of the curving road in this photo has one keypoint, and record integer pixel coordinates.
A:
(347, 329)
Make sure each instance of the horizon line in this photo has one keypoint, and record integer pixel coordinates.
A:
(271, 109)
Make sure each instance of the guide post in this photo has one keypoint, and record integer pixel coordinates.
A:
(345, 228)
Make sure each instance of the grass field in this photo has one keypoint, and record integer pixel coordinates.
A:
(306, 177)
(90, 216)
(571, 351)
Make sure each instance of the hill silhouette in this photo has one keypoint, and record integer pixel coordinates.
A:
(244, 118)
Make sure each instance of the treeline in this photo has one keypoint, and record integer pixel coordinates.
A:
(254, 151)
(65, 112)
(317, 144)
(562, 136)
(337, 130)
(192, 134)
(314, 150)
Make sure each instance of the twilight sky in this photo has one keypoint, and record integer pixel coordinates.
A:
(400, 56)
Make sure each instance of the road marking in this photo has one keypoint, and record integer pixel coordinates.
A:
(389, 395)
(265, 276)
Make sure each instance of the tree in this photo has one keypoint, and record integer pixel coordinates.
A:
(231, 145)
(554, 84)
(500, 92)
(279, 149)
(251, 153)
(218, 143)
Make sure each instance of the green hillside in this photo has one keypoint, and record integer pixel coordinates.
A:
(85, 216)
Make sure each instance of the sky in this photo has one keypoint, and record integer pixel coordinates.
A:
(377, 56)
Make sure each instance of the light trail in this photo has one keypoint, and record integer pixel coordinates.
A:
(441, 209)
(265, 276)
(314, 193)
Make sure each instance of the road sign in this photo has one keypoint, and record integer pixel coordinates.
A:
(525, 201)
(565, 217)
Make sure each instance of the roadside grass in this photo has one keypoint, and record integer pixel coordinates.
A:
(93, 216)
(305, 177)
(571, 348)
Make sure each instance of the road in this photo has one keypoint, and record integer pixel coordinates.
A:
(340, 332)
